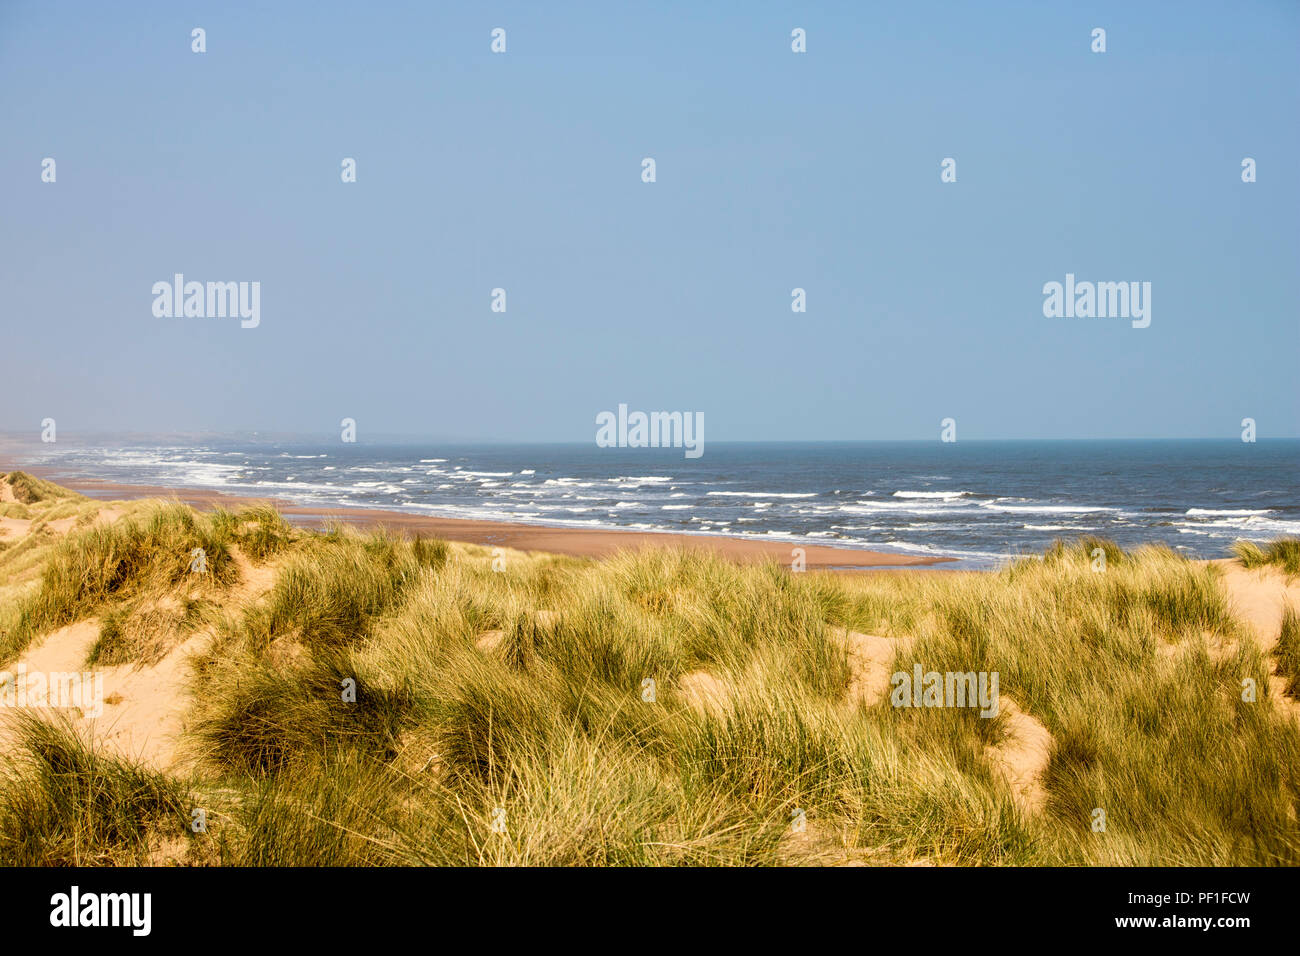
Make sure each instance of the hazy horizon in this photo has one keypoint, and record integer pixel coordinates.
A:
(326, 437)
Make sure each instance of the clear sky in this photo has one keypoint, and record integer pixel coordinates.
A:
(775, 170)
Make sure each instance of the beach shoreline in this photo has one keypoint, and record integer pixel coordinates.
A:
(569, 541)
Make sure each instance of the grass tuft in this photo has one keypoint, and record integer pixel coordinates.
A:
(1283, 552)
(64, 803)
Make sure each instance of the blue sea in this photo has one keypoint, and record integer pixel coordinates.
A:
(980, 502)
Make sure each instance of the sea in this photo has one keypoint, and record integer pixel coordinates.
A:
(981, 502)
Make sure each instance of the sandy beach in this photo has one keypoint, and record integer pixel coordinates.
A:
(575, 542)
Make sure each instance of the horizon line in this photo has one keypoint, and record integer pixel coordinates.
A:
(30, 438)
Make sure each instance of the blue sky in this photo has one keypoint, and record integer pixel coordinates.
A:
(775, 170)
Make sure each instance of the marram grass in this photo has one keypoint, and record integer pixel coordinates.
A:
(394, 702)
(1282, 552)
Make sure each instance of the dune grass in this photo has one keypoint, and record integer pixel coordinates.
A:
(146, 573)
(396, 702)
(1283, 552)
(1287, 652)
(62, 803)
(27, 489)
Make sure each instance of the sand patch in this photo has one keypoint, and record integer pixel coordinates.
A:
(107, 515)
(14, 527)
(871, 664)
(704, 693)
(254, 580)
(1023, 755)
(148, 720)
(489, 641)
(63, 651)
(141, 708)
(1259, 597)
